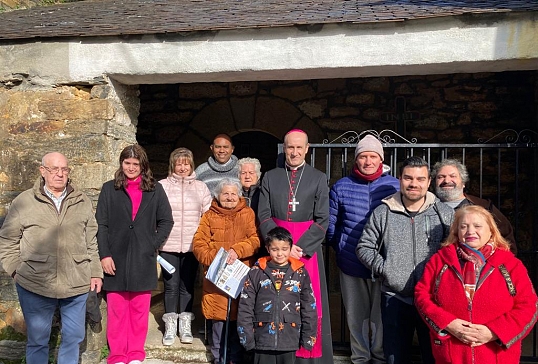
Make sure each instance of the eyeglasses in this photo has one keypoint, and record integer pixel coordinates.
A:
(56, 170)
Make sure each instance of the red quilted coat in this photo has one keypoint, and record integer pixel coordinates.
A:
(505, 303)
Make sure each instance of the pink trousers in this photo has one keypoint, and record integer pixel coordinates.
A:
(127, 325)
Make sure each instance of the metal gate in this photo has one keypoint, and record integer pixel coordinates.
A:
(502, 168)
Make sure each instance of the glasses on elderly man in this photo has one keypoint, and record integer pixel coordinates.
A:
(56, 170)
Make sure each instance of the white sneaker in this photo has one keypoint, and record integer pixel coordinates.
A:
(184, 327)
(135, 362)
(170, 328)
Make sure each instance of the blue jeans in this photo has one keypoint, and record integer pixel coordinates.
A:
(400, 320)
(38, 312)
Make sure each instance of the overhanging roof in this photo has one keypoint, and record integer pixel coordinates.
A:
(137, 17)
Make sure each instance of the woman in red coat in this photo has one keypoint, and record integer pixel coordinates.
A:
(475, 295)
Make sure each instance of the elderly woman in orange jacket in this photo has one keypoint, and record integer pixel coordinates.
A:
(475, 295)
(229, 223)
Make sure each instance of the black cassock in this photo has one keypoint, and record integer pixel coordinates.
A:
(311, 191)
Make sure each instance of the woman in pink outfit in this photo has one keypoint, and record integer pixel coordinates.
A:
(134, 219)
(475, 295)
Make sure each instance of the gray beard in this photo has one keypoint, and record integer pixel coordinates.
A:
(449, 195)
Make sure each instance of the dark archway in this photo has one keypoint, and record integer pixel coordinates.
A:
(257, 144)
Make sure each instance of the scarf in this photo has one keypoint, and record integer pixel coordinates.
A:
(368, 177)
(474, 260)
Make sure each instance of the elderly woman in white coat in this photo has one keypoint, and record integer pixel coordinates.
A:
(189, 199)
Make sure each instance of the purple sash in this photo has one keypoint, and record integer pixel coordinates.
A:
(297, 229)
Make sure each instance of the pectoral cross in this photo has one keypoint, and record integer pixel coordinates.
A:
(292, 203)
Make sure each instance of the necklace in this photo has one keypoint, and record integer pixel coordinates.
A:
(294, 201)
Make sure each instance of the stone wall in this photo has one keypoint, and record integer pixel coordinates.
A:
(454, 108)
(89, 124)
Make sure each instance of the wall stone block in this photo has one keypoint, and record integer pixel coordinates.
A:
(295, 93)
(337, 112)
(344, 124)
(215, 118)
(361, 99)
(243, 88)
(243, 109)
(330, 85)
(203, 90)
(314, 108)
(482, 107)
(275, 116)
(404, 89)
(190, 105)
(76, 109)
(379, 84)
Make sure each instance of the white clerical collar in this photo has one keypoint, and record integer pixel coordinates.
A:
(295, 168)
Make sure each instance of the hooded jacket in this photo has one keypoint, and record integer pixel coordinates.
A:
(54, 254)
(351, 200)
(230, 229)
(280, 320)
(504, 301)
(189, 199)
(132, 243)
(396, 246)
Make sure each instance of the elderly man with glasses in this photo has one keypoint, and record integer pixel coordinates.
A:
(48, 245)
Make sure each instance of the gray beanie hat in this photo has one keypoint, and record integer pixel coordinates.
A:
(369, 144)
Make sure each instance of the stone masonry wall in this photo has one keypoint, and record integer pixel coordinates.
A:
(455, 108)
(89, 124)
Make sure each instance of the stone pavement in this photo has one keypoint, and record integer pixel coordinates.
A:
(197, 352)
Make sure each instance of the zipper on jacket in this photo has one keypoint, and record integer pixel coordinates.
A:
(414, 235)
(428, 225)
(182, 212)
(438, 283)
(277, 312)
(483, 278)
(458, 275)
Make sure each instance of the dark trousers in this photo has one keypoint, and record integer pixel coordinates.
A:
(400, 320)
(234, 351)
(274, 357)
(179, 286)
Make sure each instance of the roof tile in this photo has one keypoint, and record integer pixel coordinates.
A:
(125, 17)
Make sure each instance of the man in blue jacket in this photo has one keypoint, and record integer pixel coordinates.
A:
(352, 199)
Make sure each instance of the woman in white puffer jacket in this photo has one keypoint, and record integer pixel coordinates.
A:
(189, 199)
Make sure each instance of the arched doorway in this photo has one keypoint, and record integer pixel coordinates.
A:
(257, 144)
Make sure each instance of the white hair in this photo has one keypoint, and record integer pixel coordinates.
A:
(254, 161)
(227, 182)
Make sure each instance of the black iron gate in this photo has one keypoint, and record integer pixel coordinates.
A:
(502, 168)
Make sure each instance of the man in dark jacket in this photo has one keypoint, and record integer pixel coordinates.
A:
(351, 200)
(48, 246)
(450, 177)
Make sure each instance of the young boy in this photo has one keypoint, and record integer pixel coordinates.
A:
(277, 309)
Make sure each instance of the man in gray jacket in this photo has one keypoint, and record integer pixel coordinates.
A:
(48, 245)
(399, 238)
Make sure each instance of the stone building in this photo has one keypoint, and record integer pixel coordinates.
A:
(89, 78)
